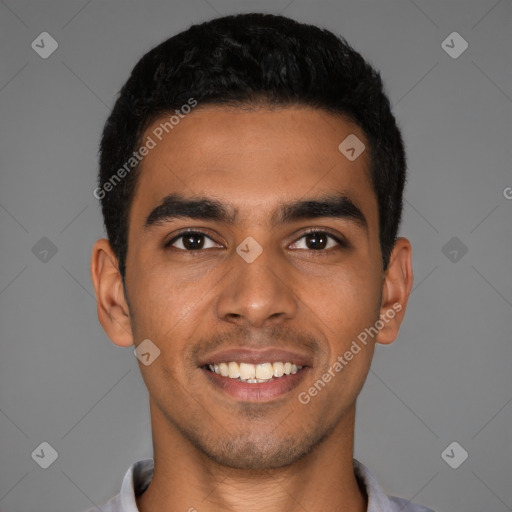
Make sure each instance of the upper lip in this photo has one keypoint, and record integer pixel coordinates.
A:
(269, 355)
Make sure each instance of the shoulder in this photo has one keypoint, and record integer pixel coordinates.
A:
(114, 504)
(135, 482)
(378, 500)
(403, 505)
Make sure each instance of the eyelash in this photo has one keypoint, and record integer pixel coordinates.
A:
(341, 243)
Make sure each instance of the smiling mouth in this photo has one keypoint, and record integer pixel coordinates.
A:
(254, 373)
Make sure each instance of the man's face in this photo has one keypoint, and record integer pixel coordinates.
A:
(305, 294)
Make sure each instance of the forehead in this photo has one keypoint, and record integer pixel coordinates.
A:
(252, 159)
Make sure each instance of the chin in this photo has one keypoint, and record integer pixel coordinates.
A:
(261, 454)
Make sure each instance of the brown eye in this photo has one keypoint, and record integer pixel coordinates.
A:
(191, 241)
(317, 241)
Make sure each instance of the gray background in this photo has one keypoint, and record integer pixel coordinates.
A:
(446, 378)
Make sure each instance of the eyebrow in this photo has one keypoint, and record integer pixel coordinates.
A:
(176, 206)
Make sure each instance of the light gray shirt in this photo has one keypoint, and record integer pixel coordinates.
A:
(139, 475)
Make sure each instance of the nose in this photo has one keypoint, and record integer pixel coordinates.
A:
(257, 294)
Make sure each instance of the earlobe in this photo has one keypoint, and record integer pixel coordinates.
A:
(113, 310)
(396, 288)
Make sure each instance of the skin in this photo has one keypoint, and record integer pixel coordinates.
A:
(213, 452)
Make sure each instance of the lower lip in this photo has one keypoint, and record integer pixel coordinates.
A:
(259, 391)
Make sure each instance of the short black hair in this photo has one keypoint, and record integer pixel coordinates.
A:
(241, 60)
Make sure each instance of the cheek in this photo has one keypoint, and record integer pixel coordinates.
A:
(173, 306)
(166, 314)
(347, 302)
(347, 305)
(163, 295)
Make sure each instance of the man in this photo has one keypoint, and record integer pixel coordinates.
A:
(251, 180)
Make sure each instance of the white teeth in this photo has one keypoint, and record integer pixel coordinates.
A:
(278, 369)
(234, 370)
(247, 371)
(264, 371)
(224, 370)
(253, 373)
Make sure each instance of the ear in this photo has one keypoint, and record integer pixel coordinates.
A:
(396, 289)
(112, 307)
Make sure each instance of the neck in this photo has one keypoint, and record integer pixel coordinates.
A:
(185, 479)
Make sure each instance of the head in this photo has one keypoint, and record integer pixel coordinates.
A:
(240, 119)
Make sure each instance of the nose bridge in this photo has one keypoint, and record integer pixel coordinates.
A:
(256, 291)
